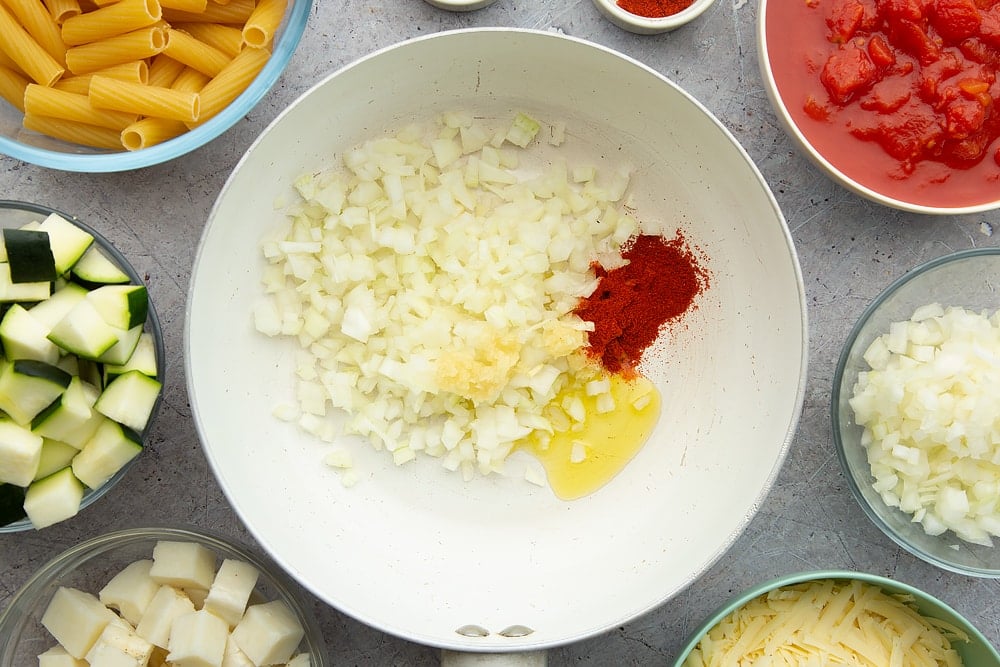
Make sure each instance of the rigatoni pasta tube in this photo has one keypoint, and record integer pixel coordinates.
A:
(236, 12)
(231, 81)
(121, 17)
(163, 70)
(263, 22)
(60, 10)
(37, 21)
(226, 38)
(12, 86)
(42, 101)
(8, 62)
(150, 131)
(134, 45)
(136, 72)
(144, 100)
(26, 53)
(196, 6)
(190, 80)
(74, 133)
(184, 48)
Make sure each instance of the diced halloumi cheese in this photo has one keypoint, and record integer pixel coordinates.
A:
(183, 564)
(166, 605)
(57, 656)
(269, 633)
(76, 619)
(130, 591)
(234, 657)
(198, 639)
(119, 638)
(301, 660)
(230, 592)
(197, 596)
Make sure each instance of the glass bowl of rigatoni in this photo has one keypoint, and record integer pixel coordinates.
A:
(104, 86)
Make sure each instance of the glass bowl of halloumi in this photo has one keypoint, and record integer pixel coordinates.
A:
(154, 594)
(836, 617)
(133, 84)
(82, 368)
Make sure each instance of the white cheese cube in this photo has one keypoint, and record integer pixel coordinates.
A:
(301, 660)
(183, 564)
(76, 619)
(198, 639)
(197, 596)
(117, 642)
(166, 605)
(234, 582)
(234, 657)
(130, 590)
(58, 657)
(269, 633)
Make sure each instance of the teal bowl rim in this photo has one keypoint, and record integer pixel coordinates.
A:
(152, 325)
(835, 392)
(284, 47)
(28, 595)
(975, 635)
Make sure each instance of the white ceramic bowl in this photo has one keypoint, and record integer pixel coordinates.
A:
(790, 68)
(15, 214)
(35, 148)
(460, 5)
(644, 25)
(967, 279)
(413, 549)
(977, 651)
(91, 564)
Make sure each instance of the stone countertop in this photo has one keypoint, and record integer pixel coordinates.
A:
(849, 249)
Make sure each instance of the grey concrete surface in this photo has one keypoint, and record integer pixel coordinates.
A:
(849, 248)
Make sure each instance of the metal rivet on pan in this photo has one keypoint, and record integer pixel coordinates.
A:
(516, 631)
(473, 631)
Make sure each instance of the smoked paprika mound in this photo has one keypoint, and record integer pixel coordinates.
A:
(654, 9)
(633, 302)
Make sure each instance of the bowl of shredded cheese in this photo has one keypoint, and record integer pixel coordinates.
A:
(836, 617)
(915, 416)
(133, 84)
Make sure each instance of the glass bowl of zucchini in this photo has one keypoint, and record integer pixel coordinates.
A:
(81, 371)
(160, 595)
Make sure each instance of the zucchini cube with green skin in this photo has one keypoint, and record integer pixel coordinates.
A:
(28, 386)
(20, 452)
(121, 306)
(269, 633)
(94, 268)
(130, 591)
(129, 399)
(58, 305)
(83, 332)
(24, 292)
(29, 256)
(68, 413)
(107, 452)
(24, 337)
(67, 241)
(198, 639)
(11, 503)
(57, 656)
(76, 619)
(55, 456)
(143, 359)
(122, 351)
(53, 499)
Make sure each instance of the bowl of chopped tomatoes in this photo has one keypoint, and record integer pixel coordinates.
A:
(897, 100)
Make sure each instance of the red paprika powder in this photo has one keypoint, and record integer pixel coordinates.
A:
(654, 9)
(633, 302)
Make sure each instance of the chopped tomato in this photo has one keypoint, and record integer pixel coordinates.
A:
(847, 72)
(989, 26)
(955, 20)
(880, 52)
(816, 109)
(902, 10)
(963, 117)
(844, 19)
(888, 95)
(911, 37)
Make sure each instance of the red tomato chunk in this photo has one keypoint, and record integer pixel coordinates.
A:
(922, 74)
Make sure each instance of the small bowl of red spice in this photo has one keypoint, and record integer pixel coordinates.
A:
(898, 102)
(650, 17)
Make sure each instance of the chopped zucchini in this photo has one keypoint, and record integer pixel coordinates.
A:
(24, 337)
(57, 306)
(28, 386)
(67, 241)
(107, 451)
(55, 456)
(84, 332)
(94, 268)
(29, 256)
(129, 399)
(20, 451)
(121, 352)
(121, 306)
(23, 292)
(54, 498)
(68, 413)
(143, 359)
(11, 503)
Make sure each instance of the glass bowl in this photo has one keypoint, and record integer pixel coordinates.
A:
(38, 149)
(968, 279)
(977, 651)
(643, 25)
(17, 213)
(90, 564)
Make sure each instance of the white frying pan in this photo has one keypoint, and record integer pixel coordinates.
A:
(497, 565)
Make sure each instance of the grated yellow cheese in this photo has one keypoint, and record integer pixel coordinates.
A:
(828, 622)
